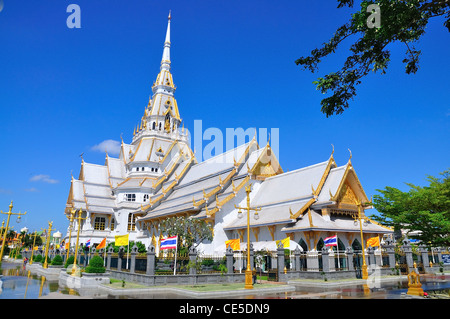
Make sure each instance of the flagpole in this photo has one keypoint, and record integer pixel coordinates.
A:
(104, 254)
(176, 250)
(128, 251)
(337, 249)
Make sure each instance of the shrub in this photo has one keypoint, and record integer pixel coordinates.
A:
(69, 261)
(57, 261)
(37, 258)
(95, 265)
(207, 262)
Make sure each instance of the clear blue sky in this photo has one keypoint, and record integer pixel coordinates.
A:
(63, 90)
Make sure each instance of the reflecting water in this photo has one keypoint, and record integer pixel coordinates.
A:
(18, 283)
(22, 284)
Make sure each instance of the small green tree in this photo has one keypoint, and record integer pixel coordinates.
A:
(57, 261)
(423, 209)
(69, 261)
(191, 231)
(95, 265)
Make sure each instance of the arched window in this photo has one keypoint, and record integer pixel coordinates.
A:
(160, 126)
(356, 245)
(320, 245)
(154, 126)
(303, 244)
(113, 224)
(131, 222)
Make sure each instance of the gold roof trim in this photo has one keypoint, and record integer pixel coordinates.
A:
(302, 210)
(168, 151)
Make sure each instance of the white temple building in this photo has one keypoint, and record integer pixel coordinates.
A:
(157, 176)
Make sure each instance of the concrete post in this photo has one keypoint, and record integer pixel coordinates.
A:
(378, 257)
(280, 261)
(108, 257)
(425, 260)
(151, 258)
(408, 253)
(119, 258)
(312, 262)
(389, 246)
(133, 253)
(331, 257)
(371, 254)
(325, 259)
(193, 261)
(229, 255)
(439, 254)
(349, 253)
(297, 259)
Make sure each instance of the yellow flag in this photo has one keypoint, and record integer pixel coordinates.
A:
(374, 241)
(35, 248)
(234, 244)
(286, 242)
(121, 240)
(102, 244)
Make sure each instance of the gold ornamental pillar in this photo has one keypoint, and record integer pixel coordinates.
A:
(50, 224)
(9, 213)
(248, 271)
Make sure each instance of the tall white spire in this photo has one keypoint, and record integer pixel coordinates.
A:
(165, 62)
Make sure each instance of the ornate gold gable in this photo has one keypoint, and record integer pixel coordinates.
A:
(350, 191)
(267, 165)
(347, 195)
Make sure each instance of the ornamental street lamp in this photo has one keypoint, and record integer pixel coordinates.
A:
(9, 213)
(79, 219)
(50, 224)
(72, 215)
(248, 272)
(32, 248)
(365, 220)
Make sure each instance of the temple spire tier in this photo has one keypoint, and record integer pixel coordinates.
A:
(161, 116)
(165, 62)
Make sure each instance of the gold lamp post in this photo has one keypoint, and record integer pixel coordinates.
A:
(79, 219)
(50, 224)
(72, 215)
(32, 248)
(248, 272)
(9, 213)
(357, 218)
(2, 228)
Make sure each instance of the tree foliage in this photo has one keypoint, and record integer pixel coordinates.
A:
(401, 22)
(191, 231)
(424, 209)
(95, 265)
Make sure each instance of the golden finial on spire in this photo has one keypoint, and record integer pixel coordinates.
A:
(332, 152)
(350, 154)
(170, 17)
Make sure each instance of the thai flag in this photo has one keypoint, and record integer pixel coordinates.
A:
(331, 241)
(169, 243)
(88, 243)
